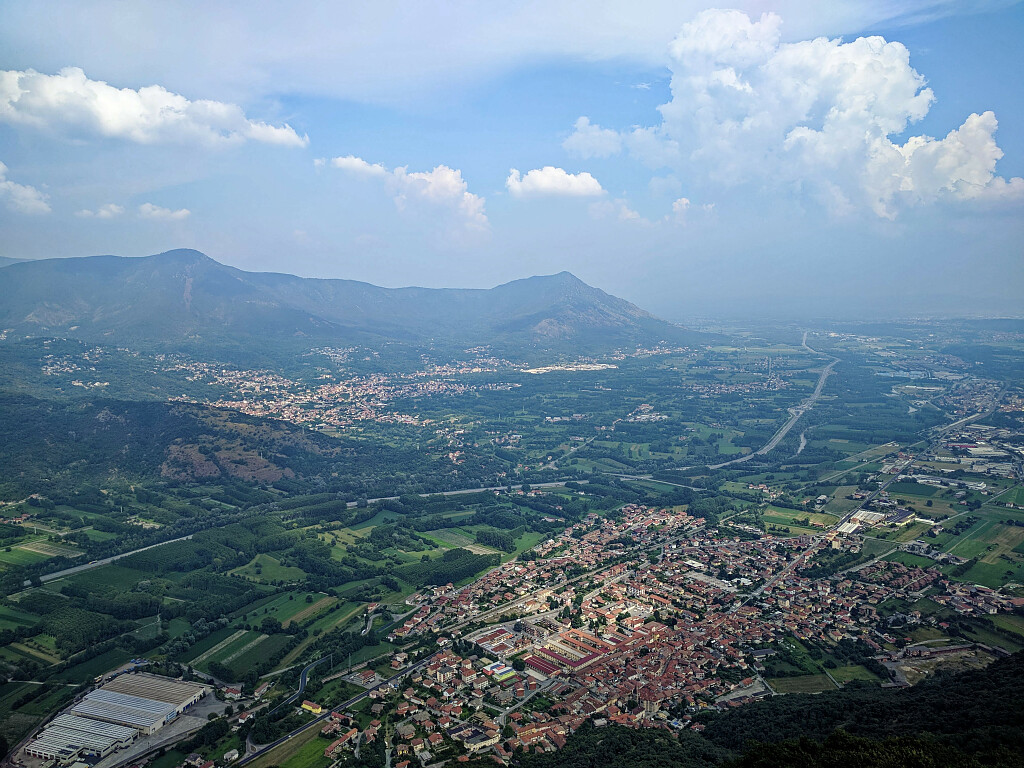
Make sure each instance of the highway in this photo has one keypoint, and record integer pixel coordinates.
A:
(464, 491)
(795, 414)
(104, 561)
(107, 560)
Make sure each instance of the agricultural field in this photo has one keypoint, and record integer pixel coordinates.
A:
(11, 618)
(315, 606)
(304, 751)
(801, 684)
(289, 606)
(854, 672)
(797, 521)
(1013, 496)
(19, 555)
(275, 576)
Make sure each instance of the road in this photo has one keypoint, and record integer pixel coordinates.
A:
(369, 625)
(104, 561)
(795, 414)
(303, 678)
(556, 484)
(107, 560)
(263, 749)
(937, 435)
(651, 477)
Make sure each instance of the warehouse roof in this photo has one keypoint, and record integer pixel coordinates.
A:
(121, 708)
(157, 688)
(67, 735)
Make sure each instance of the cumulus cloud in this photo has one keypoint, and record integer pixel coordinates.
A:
(552, 181)
(359, 166)
(108, 211)
(679, 209)
(442, 187)
(71, 102)
(591, 140)
(150, 211)
(21, 198)
(816, 117)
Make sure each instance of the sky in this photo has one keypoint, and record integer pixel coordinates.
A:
(779, 159)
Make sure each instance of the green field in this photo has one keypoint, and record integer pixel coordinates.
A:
(227, 650)
(913, 489)
(855, 672)
(304, 751)
(267, 569)
(908, 559)
(875, 547)
(336, 616)
(20, 556)
(12, 618)
(261, 651)
(286, 606)
(1013, 496)
(787, 518)
(96, 535)
(88, 670)
(802, 684)
(210, 641)
(1012, 622)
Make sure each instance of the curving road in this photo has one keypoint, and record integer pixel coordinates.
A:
(303, 678)
(263, 749)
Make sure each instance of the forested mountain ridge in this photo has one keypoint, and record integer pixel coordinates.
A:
(183, 296)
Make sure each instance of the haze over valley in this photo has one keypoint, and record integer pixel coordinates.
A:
(405, 387)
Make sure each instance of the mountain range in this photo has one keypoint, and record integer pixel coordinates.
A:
(184, 297)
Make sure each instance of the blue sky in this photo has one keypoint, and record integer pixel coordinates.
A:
(788, 158)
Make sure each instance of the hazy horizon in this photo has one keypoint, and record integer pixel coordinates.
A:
(855, 160)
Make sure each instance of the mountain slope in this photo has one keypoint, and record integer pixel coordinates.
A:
(184, 296)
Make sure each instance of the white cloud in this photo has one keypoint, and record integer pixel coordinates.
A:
(591, 140)
(552, 181)
(21, 198)
(108, 211)
(150, 211)
(442, 187)
(814, 117)
(679, 209)
(71, 102)
(359, 166)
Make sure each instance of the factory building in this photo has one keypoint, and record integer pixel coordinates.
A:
(141, 701)
(181, 694)
(68, 737)
(111, 717)
(144, 715)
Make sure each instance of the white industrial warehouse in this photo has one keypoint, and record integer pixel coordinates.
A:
(110, 717)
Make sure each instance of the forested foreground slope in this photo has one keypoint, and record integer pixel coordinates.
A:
(969, 719)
